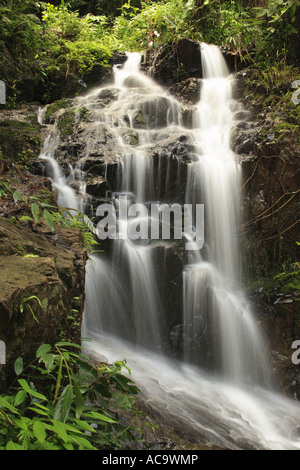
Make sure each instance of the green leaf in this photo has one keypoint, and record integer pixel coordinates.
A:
(22, 422)
(39, 431)
(7, 187)
(79, 400)
(67, 343)
(68, 446)
(64, 403)
(101, 417)
(49, 220)
(60, 430)
(35, 210)
(13, 446)
(20, 397)
(24, 384)
(82, 442)
(102, 387)
(24, 218)
(38, 411)
(87, 368)
(18, 366)
(5, 404)
(45, 204)
(43, 349)
(17, 196)
(84, 425)
(42, 354)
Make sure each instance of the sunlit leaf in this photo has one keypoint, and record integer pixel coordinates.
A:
(35, 210)
(25, 385)
(18, 365)
(39, 431)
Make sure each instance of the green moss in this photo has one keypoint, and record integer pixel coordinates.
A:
(19, 140)
(130, 136)
(53, 108)
(66, 122)
(271, 87)
(10, 127)
(285, 283)
(139, 121)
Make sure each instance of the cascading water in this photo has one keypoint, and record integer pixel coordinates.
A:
(219, 391)
(66, 196)
(219, 329)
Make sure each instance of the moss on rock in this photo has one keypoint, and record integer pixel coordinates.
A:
(66, 122)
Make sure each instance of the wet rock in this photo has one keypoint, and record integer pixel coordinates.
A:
(170, 160)
(97, 187)
(20, 138)
(133, 82)
(187, 90)
(245, 147)
(164, 65)
(45, 275)
(130, 136)
(107, 95)
(99, 75)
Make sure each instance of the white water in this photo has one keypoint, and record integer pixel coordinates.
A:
(210, 410)
(220, 329)
(66, 196)
(218, 394)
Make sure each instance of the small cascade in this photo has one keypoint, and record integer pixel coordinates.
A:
(141, 112)
(66, 196)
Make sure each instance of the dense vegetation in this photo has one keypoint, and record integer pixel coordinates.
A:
(61, 401)
(55, 402)
(48, 41)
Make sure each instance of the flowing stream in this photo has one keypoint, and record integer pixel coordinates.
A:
(220, 388)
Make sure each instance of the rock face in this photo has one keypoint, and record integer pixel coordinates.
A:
(268, 148)
(42, 274)
(42, 286)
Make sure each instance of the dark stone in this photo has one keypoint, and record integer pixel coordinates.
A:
(245, 147)
(235, 61)
(98, 75)
(118, 58)
(27, 89)
(189, 58)
(174, 63)
(187, 91)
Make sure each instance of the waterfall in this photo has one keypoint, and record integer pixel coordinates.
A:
(219, 387)
(220, 331)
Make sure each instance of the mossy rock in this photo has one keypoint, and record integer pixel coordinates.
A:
(130, 136)
(53, 108)
(285, 284)
(139, 121)
(20, 140)
(66, 122)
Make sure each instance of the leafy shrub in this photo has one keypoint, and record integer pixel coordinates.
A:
(134, 28)
(61, 401)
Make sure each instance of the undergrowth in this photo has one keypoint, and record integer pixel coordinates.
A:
(61, 401)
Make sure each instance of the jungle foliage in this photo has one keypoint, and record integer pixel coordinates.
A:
(61, 38)
(61, 401)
